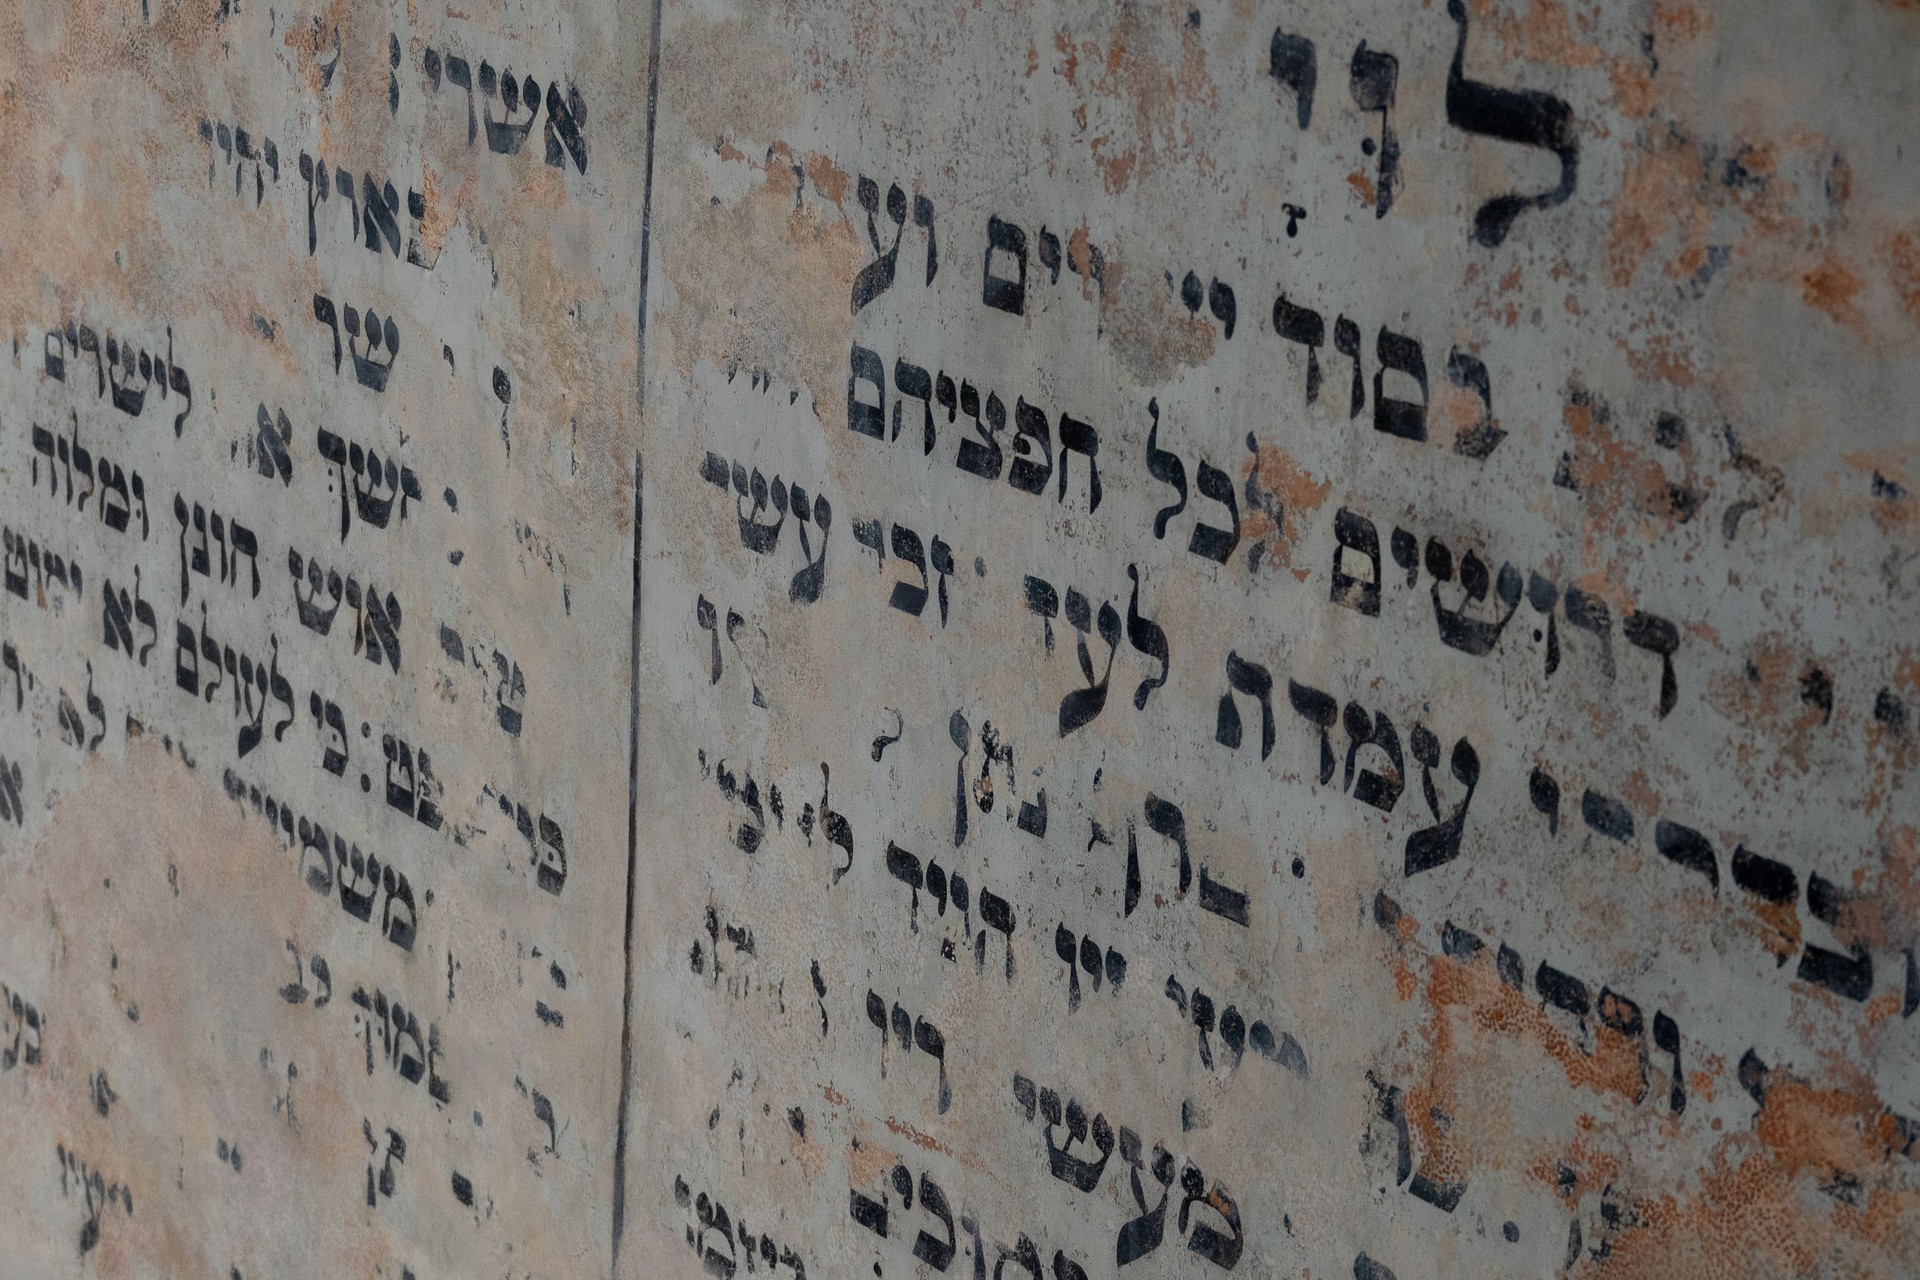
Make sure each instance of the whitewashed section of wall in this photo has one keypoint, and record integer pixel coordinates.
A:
(316, 440)
(1376, 542)
(1270, 640)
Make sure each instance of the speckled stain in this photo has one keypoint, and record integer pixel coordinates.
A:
(1704, 363)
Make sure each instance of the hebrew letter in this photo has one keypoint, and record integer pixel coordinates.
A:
(755, 536)
(1524, 116)
(1078, 437)
(551, 875)
(1165, 818)
(1688, 848)
(1142, 1235)
(319, 877)
(998, 291)
(1354, 532)
(907, 597)
(324, 312)
(1849, 975)
(565, 120)
(915, 383)
(1146, 636)
(1656, 635)
(1476, 636)
(1401, 354)
(128, 398)
(1291, 63)
(1029, 424)
(1167, 468)
(460, 76)
(272, 446)
(1216, 544)
(503, 135)
(334, 762)
(1382, 791)
(382, 629)
(1374, 78)
(382, 214)
(359, 882)
(983, 460)
(867, 419)
(1215, 1246)
(1082, 706)
(1255, 681)
(1346, 340)
(1666, 1038)
(312, 616)
(997, 914)
(876, 277)
(931, 1250)
(1080, 1174)
(399, 929)
(1439, 844)
(1589, 613)
(368, 369)
(16, 548)
(934, 1044)
(1304, 326)
(807, 583)
(1467, 373)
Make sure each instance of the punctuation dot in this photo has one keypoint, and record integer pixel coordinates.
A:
(979, 567)
(453, 499)
(1536, 635)
(366, 730)
(455, 557)
(1366, 147)
(1299, 868)
(1511, 1231)
(366, 784)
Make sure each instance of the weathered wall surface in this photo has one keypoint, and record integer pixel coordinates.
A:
(1005, 640)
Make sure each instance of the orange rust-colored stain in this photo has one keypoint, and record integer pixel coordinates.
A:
(829, 181)
(1613, 1067)
(1405, 983)
(1902, 251)
(1280, 473)
(1361, 183)
(1812, 1190)
(1833, 288)
(925, 1141)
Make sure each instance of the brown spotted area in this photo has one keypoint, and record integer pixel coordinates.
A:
(1781, 693)
(1818, 1187)
(1554, 34)
(1776, 210)
(1628, 491)
(1822, 1183)
(1144, 89)
(1297, 493)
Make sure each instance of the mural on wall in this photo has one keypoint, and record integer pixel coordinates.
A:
(1056, 640)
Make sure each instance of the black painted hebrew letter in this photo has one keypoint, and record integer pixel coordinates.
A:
(1216, 544)
(1481, 438)
(1656, 635)
(876, 277)
(1080, 707)
(1524, 116)
(1255, 681)
(1354, 532)
(1439, 844)
(1373, 79)
(1401, 354)
(998, 291)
